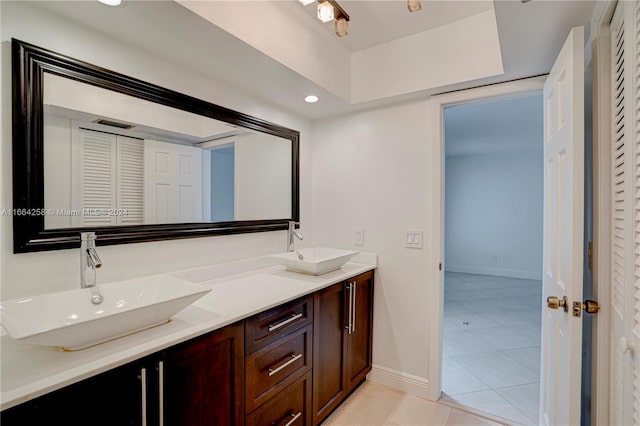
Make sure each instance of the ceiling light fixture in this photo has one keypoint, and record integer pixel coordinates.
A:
(111, 2)
(342, 27)
(414, 5)
(311, 99)
(326, 12)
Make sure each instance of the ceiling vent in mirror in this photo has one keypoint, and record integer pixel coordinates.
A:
(114, 124)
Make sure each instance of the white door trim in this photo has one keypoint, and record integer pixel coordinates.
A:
(437, 104)
(600, 60)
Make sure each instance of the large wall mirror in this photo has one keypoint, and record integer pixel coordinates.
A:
(97, 150)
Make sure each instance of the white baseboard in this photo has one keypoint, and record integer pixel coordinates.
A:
(413, 385)
(511, 273)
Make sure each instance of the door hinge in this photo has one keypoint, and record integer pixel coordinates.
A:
(440, 266)
(590, 254)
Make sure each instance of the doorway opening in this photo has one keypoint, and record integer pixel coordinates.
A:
(493, 239)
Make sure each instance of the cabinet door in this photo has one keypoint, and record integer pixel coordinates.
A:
(111, 398)
(204, 380)
(358, 359)
(329, 350)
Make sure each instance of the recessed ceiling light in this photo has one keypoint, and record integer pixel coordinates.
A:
(111, 2)
(307, 2)
(311, 99)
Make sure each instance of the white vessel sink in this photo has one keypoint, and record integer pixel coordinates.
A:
(316, 260)
(69, 320)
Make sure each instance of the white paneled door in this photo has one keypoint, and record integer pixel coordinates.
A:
(173, 182)
(563, 235)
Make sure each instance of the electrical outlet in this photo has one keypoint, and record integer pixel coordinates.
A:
(358, 236)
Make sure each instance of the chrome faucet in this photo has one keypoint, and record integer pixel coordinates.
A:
(89, 262)
(291, 234)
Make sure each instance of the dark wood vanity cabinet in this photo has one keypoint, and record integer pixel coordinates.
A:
(290, 365)
(110, 398)
(199, 382)
(203, 380)
(342, 342)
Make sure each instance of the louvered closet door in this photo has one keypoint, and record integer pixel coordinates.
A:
(95, 167)
(625, 204)
(107, 179)
(130, 183)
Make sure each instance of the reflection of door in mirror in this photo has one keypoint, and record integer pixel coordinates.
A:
(173, 183)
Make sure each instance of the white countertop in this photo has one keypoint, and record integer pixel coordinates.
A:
(239, 290)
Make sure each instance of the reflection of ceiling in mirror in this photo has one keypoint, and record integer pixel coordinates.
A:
(79, 101)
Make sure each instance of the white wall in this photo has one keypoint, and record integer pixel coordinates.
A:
(262, 177)
(57, 169)
(493, 214)
(370, 170)
(32, 273)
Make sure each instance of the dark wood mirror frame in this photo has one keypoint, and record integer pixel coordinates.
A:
(29, 234)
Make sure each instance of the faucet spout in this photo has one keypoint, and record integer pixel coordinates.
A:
(92, 258)
(89, 261)
(292, 233)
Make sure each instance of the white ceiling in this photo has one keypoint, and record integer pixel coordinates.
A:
(380, 21)
(508, 125)
(531, 35)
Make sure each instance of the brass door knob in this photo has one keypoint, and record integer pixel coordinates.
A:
(554, 302)
(591, 306)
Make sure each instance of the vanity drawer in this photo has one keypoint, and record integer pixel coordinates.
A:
(267, 327)
(272, 368)
(291, 407)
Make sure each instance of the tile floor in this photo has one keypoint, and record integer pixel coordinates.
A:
(376, 405)
(491, 345)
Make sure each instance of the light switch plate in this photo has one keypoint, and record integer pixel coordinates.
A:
(414, 238)
(358, 236)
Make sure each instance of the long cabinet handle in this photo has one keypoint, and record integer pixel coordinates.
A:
(295, 417)
(348, 326)
(289, 320)
(353, 322)
(161, 391)
(293, 359)
(143, 380)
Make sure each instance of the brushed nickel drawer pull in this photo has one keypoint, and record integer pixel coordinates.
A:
(353, 300)
(295, 417)
(349, 325)
(292, 318)
(143, 379)
(161, 391)
(293, 359)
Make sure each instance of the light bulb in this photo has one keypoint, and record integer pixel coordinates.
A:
(325, 12)
(311, 99)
